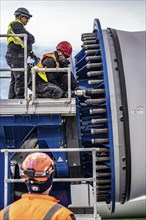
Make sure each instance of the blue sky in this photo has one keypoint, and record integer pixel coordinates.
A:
(54, 21)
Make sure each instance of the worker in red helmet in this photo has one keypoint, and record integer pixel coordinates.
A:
(38, 171)
(54, 84)
(65, 47)
(15, 51)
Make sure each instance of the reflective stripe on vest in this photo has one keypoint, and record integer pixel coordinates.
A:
(43, 74)
(52, 211)
(48, 216)
(6, 213)
(15, 40)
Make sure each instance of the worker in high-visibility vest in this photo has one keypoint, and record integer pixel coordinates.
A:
(38, 172)
(54, 84)
(15, 51)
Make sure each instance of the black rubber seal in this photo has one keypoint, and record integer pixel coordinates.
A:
(125, 112)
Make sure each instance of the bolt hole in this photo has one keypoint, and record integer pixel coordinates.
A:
(121, 108)
(124, 159)
(124, 168)
(122, 118)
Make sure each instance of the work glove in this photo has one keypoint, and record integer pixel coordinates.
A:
(33, 56)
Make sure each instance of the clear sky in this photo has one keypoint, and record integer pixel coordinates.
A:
(54, 21)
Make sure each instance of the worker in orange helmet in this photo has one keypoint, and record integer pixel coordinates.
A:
(38, 172)
(54, 84)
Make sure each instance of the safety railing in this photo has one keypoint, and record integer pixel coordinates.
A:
(60, 70)
(91, 179)
(24, 36)
(65, 106)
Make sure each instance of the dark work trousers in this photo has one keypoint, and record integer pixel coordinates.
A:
(16, 60)
(48, 90)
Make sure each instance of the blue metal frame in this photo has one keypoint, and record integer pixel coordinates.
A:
(84, 118)
(49, 130)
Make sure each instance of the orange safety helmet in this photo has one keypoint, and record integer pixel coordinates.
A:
(65, 47)
(38, 166)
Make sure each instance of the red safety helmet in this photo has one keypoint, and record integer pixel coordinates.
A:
(65, 47)
(37, 166)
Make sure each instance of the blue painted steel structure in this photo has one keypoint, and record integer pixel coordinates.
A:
(96, 128)
(108, 107)
(49, 130)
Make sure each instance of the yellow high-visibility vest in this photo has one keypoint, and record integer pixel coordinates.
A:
(15, 40)
(43, 74)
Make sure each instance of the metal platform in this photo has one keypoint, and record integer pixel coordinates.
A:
(63, 106)
(87, 217)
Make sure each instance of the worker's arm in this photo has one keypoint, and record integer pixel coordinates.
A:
(19, 29)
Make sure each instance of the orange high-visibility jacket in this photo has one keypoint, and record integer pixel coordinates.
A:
(36, 207)
(43, 74)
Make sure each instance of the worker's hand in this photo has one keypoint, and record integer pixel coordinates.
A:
(33, 56)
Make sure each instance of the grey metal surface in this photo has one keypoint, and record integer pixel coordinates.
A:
(30, 143)
(72, 142)
(61, 106)
(133, 49)
(87, 217)
(115, 101)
